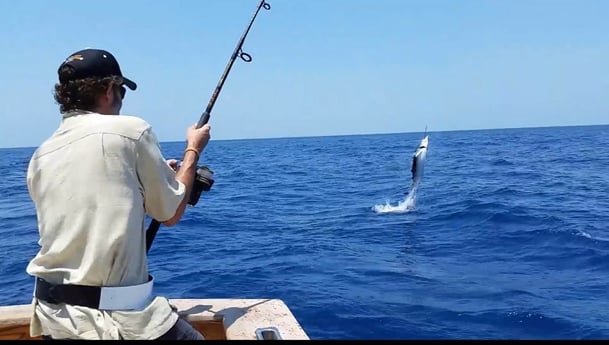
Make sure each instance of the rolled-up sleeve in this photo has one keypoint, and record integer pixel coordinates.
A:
(162, 192)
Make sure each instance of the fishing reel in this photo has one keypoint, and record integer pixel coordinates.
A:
(203, 182)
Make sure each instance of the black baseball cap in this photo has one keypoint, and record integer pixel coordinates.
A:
(94, 63)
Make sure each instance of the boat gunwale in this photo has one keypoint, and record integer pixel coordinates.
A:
(240, 317)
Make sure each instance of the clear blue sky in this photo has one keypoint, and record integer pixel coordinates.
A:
(320, 67)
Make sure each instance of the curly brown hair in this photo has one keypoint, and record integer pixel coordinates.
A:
(82, 94)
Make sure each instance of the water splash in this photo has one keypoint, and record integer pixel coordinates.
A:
(406, 205)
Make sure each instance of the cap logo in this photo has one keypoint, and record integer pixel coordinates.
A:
(74, 57)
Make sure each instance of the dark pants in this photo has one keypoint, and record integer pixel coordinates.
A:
(182, 330)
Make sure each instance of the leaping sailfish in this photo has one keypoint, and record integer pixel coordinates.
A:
(418, 160)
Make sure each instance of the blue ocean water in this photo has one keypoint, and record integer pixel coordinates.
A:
(508, 237)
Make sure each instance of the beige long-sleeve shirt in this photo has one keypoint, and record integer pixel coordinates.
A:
(92, 183)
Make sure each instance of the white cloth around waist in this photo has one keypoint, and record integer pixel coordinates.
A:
(134, 297)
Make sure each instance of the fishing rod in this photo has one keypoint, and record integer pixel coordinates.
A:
(203, 179)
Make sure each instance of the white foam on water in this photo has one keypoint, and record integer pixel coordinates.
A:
(406, 205)
(587, 235)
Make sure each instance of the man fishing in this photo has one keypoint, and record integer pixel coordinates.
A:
(92, 182)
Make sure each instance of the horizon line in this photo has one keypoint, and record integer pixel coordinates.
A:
(362, 134)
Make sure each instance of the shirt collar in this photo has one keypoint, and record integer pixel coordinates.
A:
(75, 112)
